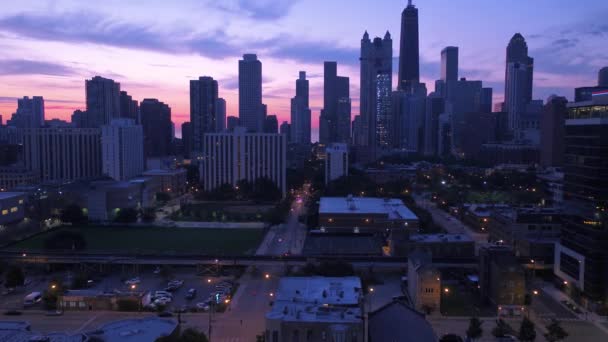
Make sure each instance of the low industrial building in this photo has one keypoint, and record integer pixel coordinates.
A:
(316, 309)
(144, 329)
(12, 207)
(396, 321)
(173, 181)
(423, 282)
(478, 216)
(87, 300)
(502, 279)
(443, 245)
(106, 198)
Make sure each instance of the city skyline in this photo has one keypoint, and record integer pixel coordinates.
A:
(49, 55)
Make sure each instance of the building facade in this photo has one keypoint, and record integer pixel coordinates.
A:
(300, 112)
(122, 149)
(251, 112)
(336, 162)
(409, 55)
(103, 101)
(29, 114)
(203, 109)
(231, 157)
(157, 126)
(63, 154)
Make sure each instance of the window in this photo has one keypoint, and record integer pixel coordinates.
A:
(14, 209)
(20, 201)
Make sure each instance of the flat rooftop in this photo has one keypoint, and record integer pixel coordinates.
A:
(434, 238)
(9, 195)
(392, 207)
(145, 329)
(318, 299)
(163, 172)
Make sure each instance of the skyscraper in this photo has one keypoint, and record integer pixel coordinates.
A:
(449, 64)
(336, 161)
(220, 107)
(552, 131)
(271, 124)
(285, 129)
(335, 89)
(129, 108)
(376, 86)
(409, 57)
(156, 122)
(251, 112)
(516, 95)
(409, 109)
(103, 101)
(435, 106)
(187, 138)
(203, 109)
(122, 149)
(602, 77)
(300, 112)
(517, 52)
(29, 114)
(231, 123)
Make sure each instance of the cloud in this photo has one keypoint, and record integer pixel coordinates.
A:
(311, 52)
(93, 28)
(29, 67)
(256, 9)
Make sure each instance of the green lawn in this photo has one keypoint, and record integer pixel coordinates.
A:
(460, 302)
(157, 240)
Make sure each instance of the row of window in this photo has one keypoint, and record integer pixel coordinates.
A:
(13, 210)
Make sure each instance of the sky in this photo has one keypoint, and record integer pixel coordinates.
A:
(154, 47)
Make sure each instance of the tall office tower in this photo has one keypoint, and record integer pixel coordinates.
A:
(336, 161)
(602, 77)
(300, 112)
(376, 86)
(122, 149)
(29, 114)
(156, 122)
(187, 138)
(285, 129)
(409, 109)
(485, 100)
(231, 157)
(63, 154)
(435, 106)
(517, 53)
(516, 98)
(444, 135)
(449, 64)
(129, 108)
(335, 89)
(271, 124)
(203, 109)
(343, 119)
(220, 107)
(251, 112)
(103, 101)
(231, 123)
(463, 97)
(552, 131)
(581, 257)
(409, 55)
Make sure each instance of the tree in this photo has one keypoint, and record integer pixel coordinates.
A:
(14, 277)
(148, 215)
(126, 215)
(474, 331)
(188, 335)
(527, 333)
(555, 332)
(80, 281)
(264, 189)
(502, 328)
(73, 214)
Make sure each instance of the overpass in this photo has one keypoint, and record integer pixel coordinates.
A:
(68, 258)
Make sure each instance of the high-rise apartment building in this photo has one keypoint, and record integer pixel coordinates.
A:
(409, 55)
(336, 93)
(63, 154)
(203, 109)
(336, 161)
(158, 129)
(251, 111)
(285, 129)
(187, 138)
(552, 131)
(29, 114)
(449, 64)
(103, 101)
(376, 87)
(122, 149)
(300, 112)
(230, 157)
(129, 108)
(220, 107)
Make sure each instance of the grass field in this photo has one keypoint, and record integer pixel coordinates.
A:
(157, 240)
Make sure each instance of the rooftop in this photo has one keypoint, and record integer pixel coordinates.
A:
(398, 322)
(163, 172)
(322, 299)
(394, 208)
(9, 195)
(18, 331)
(145, 329)
(431, 238)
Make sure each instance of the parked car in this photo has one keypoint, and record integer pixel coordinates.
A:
(163, 294)
(203, 306)
(191, 294)
(32, 299)
(162, 301)
(54, 313)
(133, 281)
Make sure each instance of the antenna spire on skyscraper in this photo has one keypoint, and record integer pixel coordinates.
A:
(409, 3)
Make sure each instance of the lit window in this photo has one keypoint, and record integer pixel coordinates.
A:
(20, 201)
(14, 209)
(4, 212)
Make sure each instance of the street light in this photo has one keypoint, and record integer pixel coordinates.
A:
(53, 286)
(446, 290)
(267, 276)
(535, 292)
(133, 287)
(209, 280)
(371, 289)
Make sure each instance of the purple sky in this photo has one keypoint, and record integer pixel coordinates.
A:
(154, 47)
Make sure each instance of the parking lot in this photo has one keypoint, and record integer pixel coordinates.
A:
(148, 281)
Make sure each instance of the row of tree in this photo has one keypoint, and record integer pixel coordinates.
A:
(526, 333)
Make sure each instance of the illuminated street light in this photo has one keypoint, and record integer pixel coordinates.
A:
(267, 276)
(271, 294)
(53, 286)
(209, 280)
(535, 292)
(446, 290)
(133, 287)
(227, 301)
(565, 282)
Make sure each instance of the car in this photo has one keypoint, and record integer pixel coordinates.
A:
(162, 301)
(203, 306)
(177, 283)
(163, 294)
(133, 281)
(191, 294)
(165, 314)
